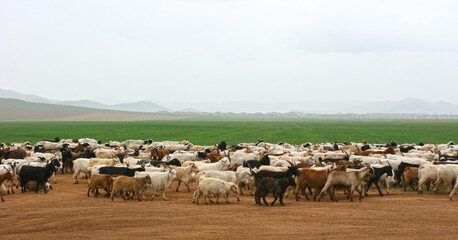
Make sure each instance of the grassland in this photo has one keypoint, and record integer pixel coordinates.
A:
(236, 131)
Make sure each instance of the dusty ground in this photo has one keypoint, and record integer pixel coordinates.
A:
(66, 212)
(51, 115)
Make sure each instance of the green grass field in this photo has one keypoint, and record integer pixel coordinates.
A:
(212, 131)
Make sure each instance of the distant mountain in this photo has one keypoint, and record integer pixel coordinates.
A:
(408, 105)
(421, 106)
(141, 106)
(18, 110)
(17, 104)
(84, 103)
(25, 97)
(190, 110)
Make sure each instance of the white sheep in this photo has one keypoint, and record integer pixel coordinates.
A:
(106, 153)
(182, 156)
(160, 181)
(196, 163)
(455, 188)
(221, 165)
(447, 176)
(155, 169)
(238, 157)
(228, 176)
(245, 181)
(80, 165)
(213, 186)
(347, 179)
(427, 173)
(103, 161)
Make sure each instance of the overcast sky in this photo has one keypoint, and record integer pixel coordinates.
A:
(219, 51)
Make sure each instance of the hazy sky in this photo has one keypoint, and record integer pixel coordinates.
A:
(216, 51)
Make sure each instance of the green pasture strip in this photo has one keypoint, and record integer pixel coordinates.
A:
(205, 132)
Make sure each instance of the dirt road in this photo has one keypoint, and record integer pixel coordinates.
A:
(67, 213)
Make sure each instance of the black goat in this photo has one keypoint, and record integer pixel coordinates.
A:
(270, 185)
(264, 173)
(67, 160)
(202, 155)
(256, 163)
(335, 146)
(39, 148)
(237, 147)
(447, 158)
(406, 149)
(110, 170)
(174, 162)
(365, 147)
(55, 140)
(306, 145)
(38, 174)
(88, 154)
(377, 173)
(222, 146)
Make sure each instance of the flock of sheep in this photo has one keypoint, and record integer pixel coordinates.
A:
(129, 168)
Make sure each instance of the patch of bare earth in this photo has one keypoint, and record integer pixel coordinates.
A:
(66, 212)
(120, 117)
(51, 115)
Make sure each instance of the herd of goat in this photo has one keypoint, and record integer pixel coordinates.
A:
(129, 168)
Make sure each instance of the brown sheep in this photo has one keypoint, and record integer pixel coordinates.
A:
(16, 154)
(3, 177)
(184, 174)
(136, 185)
(410, 177)
(214, 156)
(389, 150)
(310, 179)
(352, 149)
(100, 181)
(159, 154)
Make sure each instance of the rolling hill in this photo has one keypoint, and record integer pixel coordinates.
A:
(19, 110)
(141, 106)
